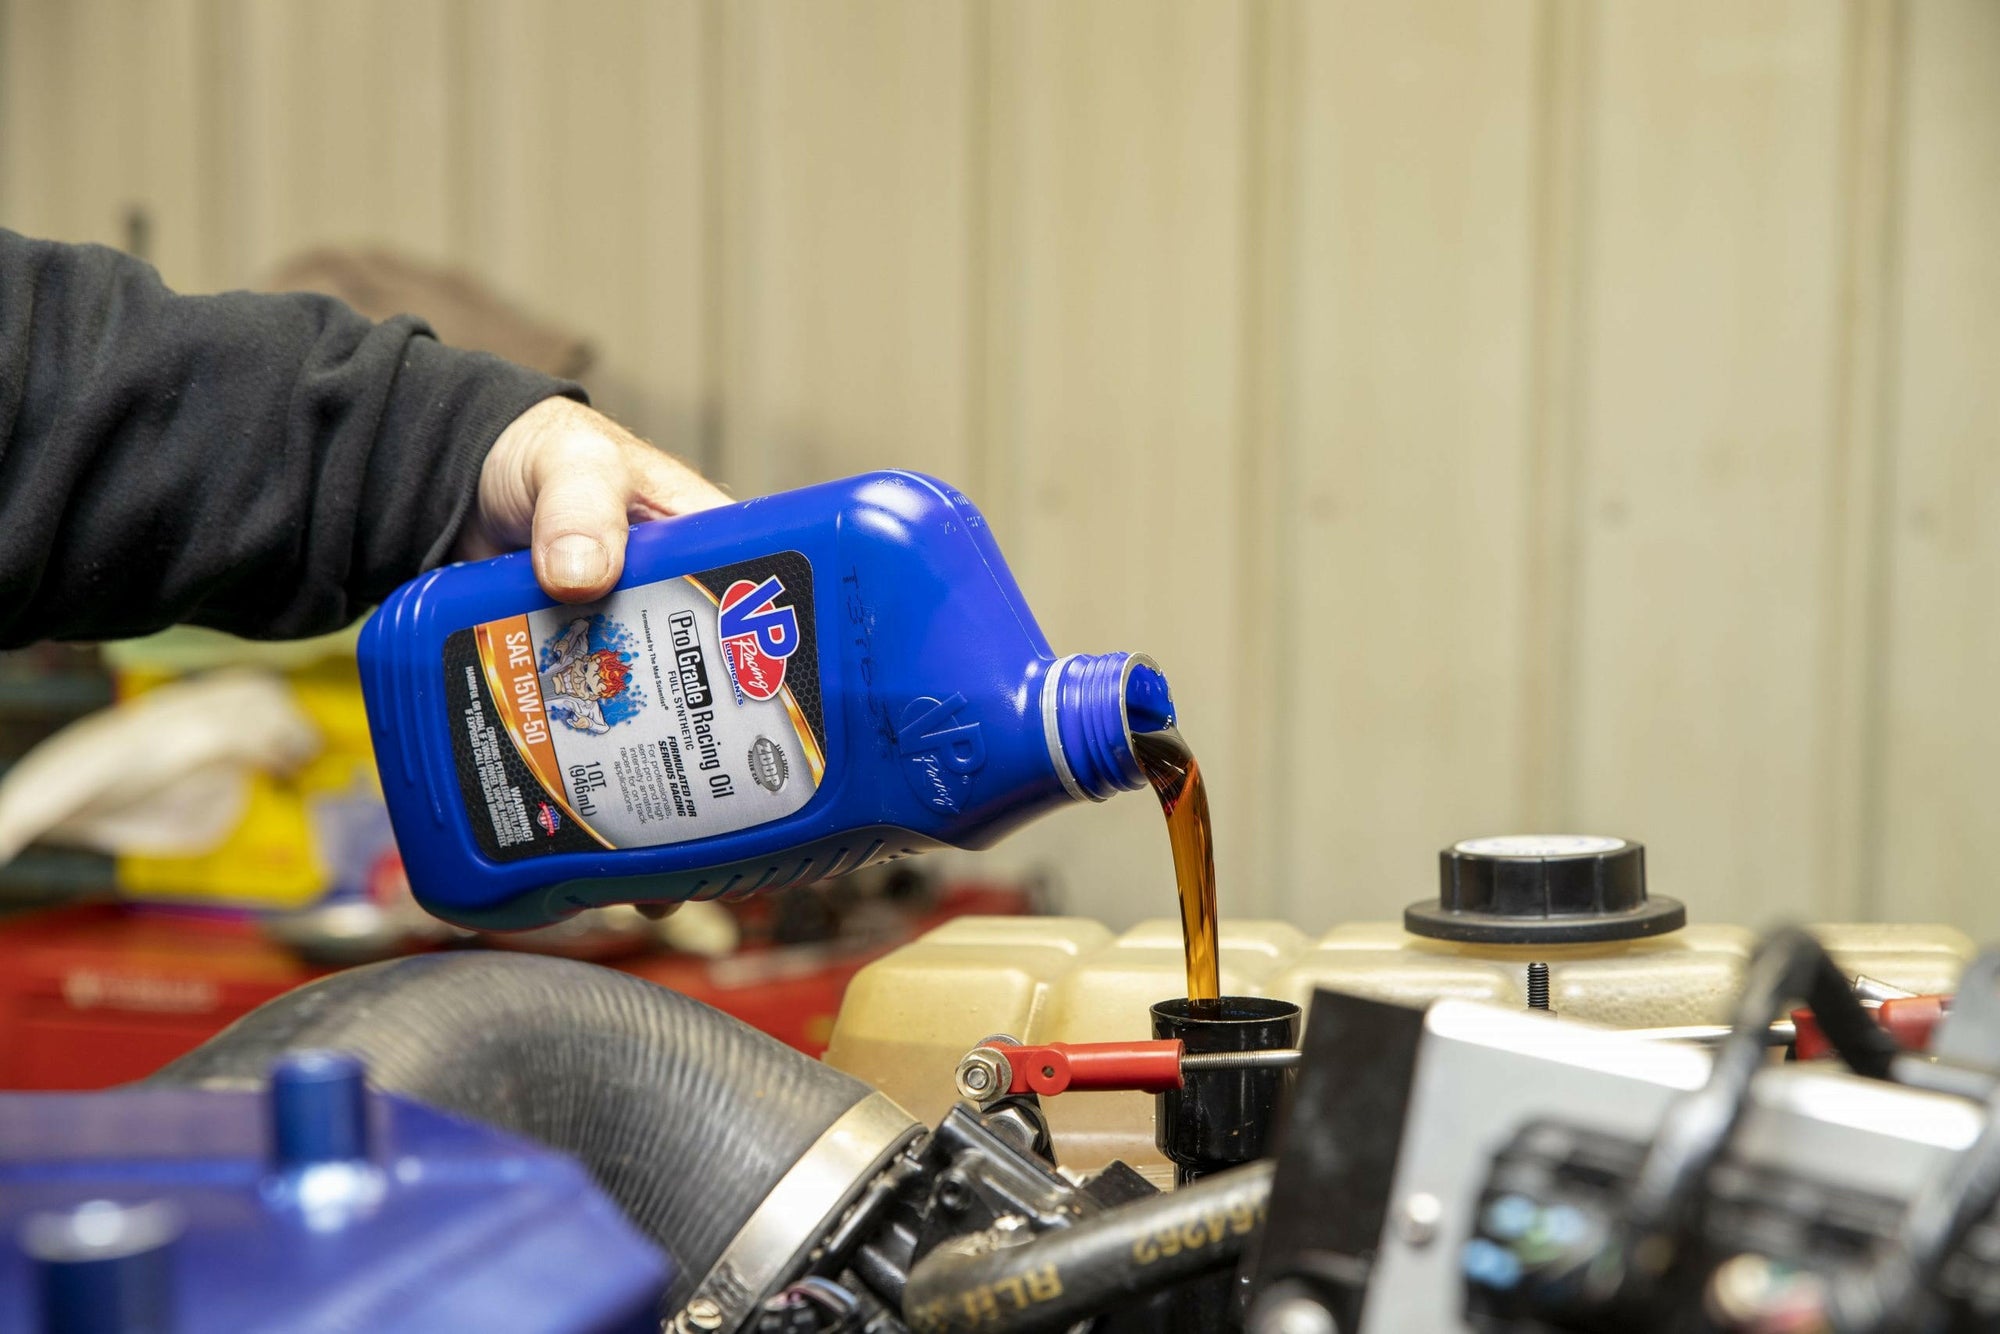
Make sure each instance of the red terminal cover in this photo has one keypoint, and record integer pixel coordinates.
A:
(1064, 1067)
(1910, 1020)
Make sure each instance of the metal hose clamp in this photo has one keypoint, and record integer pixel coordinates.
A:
(805, 1203)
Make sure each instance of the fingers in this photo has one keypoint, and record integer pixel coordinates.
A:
(582, 491)
(666, 486)
(567, 481)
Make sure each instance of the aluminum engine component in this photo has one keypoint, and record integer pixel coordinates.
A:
(1500, 1170)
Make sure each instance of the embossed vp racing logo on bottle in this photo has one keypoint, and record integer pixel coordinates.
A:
(940, 751)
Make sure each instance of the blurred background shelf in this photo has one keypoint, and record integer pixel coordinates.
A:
(97, 995)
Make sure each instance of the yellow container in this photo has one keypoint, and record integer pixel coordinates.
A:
(305, 835)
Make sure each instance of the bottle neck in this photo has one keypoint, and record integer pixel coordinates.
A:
(1092, 703)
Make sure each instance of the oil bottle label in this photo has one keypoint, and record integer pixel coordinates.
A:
(667, 712)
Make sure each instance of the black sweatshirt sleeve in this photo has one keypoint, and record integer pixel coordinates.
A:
(267, 465)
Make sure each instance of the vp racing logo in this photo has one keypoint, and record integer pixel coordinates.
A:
(757, 636)
(941, 750)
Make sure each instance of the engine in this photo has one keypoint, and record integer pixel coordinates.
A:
(1463, 1123)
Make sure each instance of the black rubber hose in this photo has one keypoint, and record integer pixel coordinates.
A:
(1789, 965)
(1070, 1274)
(686, 1116)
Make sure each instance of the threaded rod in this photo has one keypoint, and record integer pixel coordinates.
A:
(1538, 986)
(1275, 1058)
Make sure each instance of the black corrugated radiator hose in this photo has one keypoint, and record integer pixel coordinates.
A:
(687, 1117)
(1051, 1281)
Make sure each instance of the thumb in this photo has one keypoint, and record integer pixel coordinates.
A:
(580, 519)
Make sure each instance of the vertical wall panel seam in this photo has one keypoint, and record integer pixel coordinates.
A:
(978, 276)
(8, 130)
(1564, 81)
(55, 119)
(458, 121)
(1889, 336)
(712, 286)
(1268, 351)
(207, 147)
(997, 446)
(1868, 424)
(1255, 626)
(1844, 864)
(227, 223)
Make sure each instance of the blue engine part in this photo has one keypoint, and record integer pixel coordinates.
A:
(317, 1205)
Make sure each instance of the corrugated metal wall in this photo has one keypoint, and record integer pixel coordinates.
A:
(1495, 414)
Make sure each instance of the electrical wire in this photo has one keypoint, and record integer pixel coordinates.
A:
(842, 1307)
(1789, 965)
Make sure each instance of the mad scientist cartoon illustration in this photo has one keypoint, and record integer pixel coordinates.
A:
(581, 684)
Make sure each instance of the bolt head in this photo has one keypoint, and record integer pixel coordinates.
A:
(1417, 1221)
(1297, 1315)
(701, 1314)
(982, 1075)
(953, 1194)
(100, 1230)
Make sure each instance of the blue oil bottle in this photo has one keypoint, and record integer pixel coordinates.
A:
(777, 692)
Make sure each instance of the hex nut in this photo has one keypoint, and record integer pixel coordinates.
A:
(983, 1075)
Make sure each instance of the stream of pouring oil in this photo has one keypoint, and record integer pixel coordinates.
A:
(1171, 768)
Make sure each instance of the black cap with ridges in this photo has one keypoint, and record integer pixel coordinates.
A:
(1543, 889)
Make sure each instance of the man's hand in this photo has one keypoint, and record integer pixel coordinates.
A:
(570, 481)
